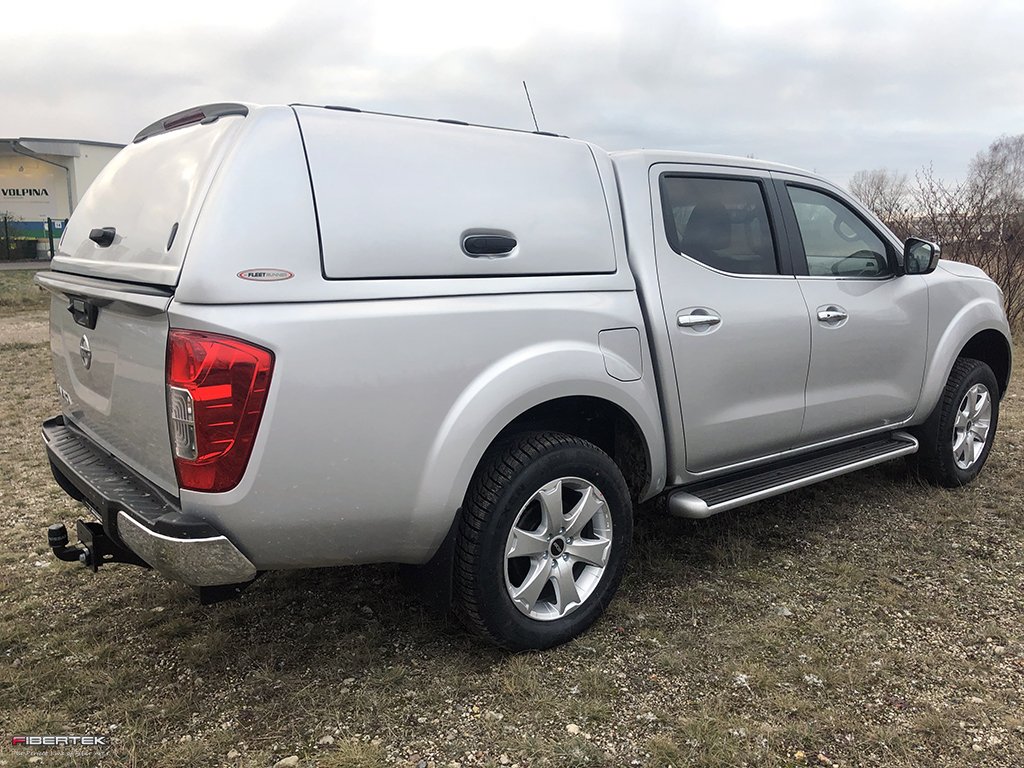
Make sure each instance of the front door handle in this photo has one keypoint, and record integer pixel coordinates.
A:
(692, 321)
(832, 315)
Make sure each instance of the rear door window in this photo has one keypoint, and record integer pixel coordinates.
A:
(722, 223)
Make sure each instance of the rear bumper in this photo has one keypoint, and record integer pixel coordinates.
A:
(139, 516)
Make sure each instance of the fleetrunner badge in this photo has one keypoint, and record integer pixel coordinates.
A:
(266, 275)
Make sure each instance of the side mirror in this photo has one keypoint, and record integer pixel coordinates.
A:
(920, 256)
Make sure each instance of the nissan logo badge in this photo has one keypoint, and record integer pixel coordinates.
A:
(85, 351)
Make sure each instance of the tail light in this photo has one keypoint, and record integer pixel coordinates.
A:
(216, 391)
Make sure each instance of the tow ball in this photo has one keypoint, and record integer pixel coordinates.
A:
(97, 548)
(57, 536)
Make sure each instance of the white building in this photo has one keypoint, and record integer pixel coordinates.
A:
(43, 179)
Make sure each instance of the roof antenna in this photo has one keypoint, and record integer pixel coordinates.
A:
(530, 102)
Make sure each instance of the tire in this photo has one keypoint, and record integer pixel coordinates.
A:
(536, 483)
(951, 455)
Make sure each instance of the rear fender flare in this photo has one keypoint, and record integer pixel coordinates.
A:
(975, 317)
(508, 388)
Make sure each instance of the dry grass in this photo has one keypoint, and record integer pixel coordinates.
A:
(867, 621)
(19, 294)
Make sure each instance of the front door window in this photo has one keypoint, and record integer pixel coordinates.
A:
(836, 240)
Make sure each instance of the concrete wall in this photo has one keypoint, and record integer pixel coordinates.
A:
(31, 189)
(44, 179)
(47, 182)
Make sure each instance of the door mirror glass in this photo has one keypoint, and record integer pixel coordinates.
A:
(920, 256)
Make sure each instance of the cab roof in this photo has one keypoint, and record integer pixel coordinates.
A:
(652, 156)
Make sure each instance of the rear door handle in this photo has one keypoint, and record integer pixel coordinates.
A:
(694, 320)
(832, 315)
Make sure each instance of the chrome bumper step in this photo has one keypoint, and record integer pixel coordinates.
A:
(730, 491)
(136, 518)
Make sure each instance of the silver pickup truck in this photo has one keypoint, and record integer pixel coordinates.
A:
(297, 336)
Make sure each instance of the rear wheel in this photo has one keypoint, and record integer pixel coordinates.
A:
(957, 438)
(543, 541)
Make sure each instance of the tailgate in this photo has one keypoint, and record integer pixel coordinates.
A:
(109, 345)
(147, 200)
(114, 276)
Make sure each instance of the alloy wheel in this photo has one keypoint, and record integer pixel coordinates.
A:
(558, 548)
(971, 426)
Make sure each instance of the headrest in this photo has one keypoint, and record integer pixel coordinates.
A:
(709, 228)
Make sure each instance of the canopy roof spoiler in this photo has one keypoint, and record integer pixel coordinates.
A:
(206, 113)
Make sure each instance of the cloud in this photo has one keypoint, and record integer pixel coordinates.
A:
(832, 86)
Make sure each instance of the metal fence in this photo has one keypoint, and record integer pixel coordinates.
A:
(29, 240)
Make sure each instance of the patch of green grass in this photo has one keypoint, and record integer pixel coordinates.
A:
(19, 294)
(352, 754)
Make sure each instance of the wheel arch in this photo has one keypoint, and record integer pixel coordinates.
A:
(992, 348)
(602, 422)
(978, 328)
(552, 386)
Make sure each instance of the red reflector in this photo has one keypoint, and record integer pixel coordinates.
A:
(213, 434)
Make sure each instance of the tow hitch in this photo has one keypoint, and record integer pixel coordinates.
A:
(97, 548)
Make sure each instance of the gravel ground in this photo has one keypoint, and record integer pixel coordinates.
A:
(17, 266)
(868, 621)
(23, 328)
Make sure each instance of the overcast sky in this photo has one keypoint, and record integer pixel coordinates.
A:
(829, 85)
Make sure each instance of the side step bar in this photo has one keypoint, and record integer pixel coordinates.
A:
(719, 494)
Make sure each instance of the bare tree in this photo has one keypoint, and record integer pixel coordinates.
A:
(979, 221)
(996, 185)
(887, 193)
